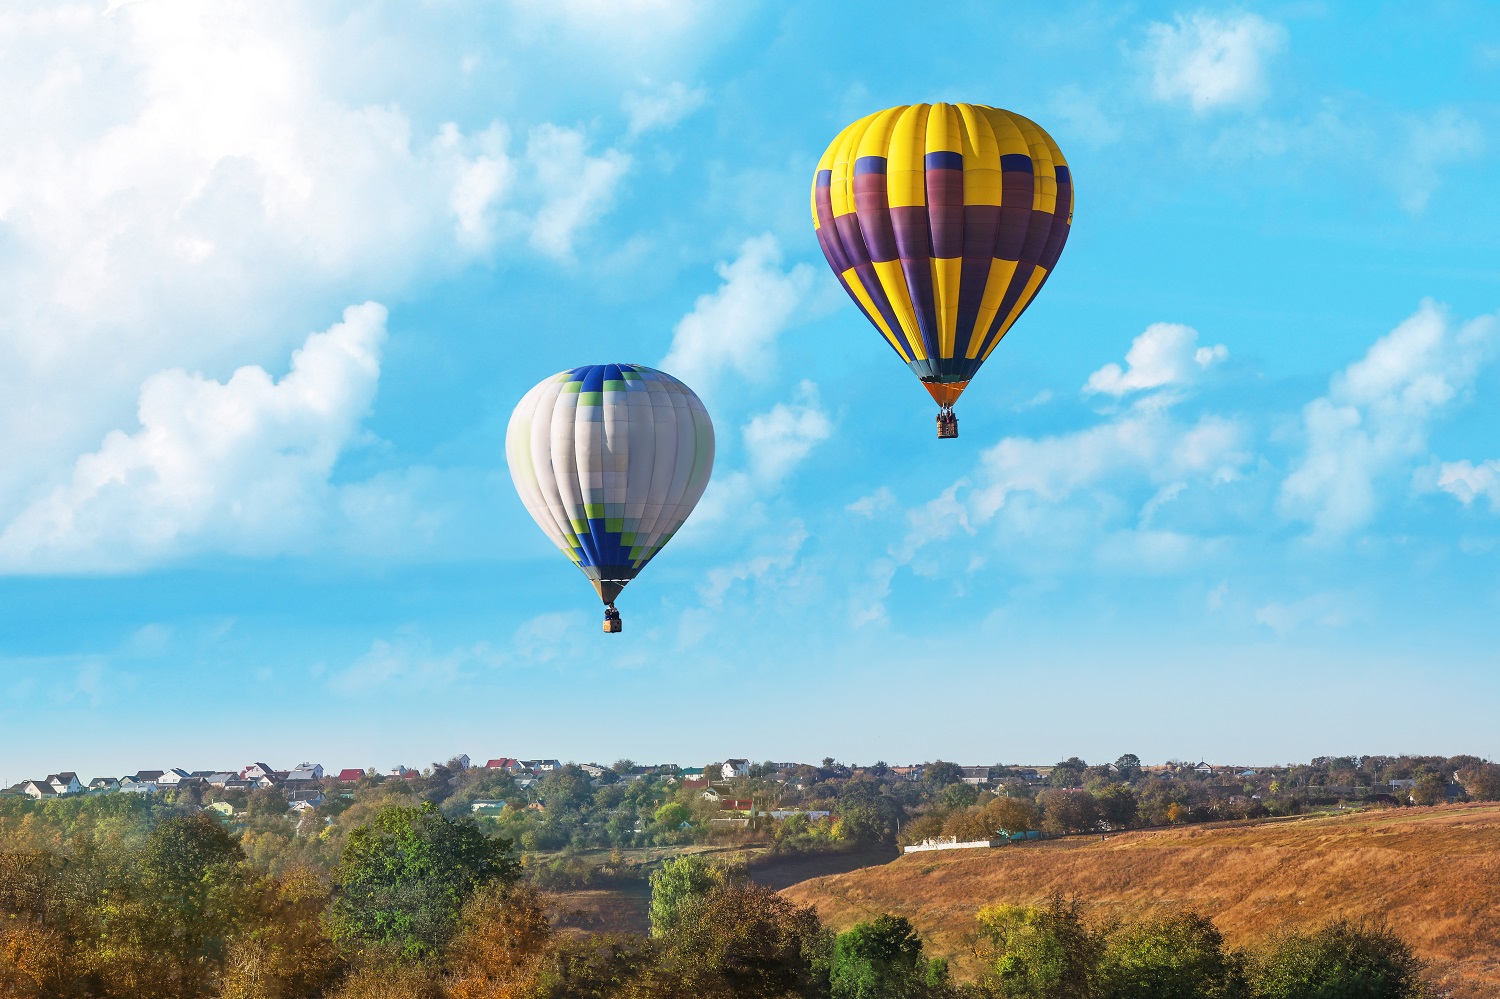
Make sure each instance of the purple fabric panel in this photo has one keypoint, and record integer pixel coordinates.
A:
(981, 228)
(945, 209)
(1036, 237)
(914, 241)
(872, 204)
(828, 239)
(852, 240)
(1016, 192)
(1058, 234)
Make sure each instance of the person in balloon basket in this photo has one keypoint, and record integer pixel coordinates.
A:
(612, 623)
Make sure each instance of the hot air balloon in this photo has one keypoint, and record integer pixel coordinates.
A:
(942, 222)
(610, 459)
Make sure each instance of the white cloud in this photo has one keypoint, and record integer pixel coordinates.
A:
(661, 108)
(172, 168)
(1469, 481)
(1322, 609)
(1447, 137)
(735, 327)
(239, 466)
(1165, 354)
(1210, 61)
(879, 501)
(765, 568)
(776, 442)
(578, 187)
(1375, 418)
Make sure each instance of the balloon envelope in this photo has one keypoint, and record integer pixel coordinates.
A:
(942, 222)
(610, 459)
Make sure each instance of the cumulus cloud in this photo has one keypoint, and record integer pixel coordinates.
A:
(1469, 482)
(1445, 138)
(765, 567)
(1212, 62)
(171, 168)
(776, 442)
(1165, 354)
(660, 108)
(735, 327)
(239, 466)
(1375, 418)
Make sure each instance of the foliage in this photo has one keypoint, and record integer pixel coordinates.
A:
(1344, 960)
(882, 959)
(1041, 953)
(675, 885)
(1180, 957)
(405, 877)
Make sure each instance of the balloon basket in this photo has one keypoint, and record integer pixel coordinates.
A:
(612, 623)
(947, 425)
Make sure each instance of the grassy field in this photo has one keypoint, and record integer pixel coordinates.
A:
(1432, 873)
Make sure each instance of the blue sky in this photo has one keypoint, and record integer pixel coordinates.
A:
(275, 278)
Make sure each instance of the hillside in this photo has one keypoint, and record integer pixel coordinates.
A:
(1433, 873)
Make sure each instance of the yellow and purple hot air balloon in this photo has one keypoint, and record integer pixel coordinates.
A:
(610, 459)
(942, 222)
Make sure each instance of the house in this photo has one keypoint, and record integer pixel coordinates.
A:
(350, 775)
(312, 798)
(264, 780)
(462, 761)
(695, 782)
(220, 778)
(403, 772)
(38, 789)
(975, 776)
(731, 769)
(689, 773)
(135, 785)
(103, 785)
(306, 771)
(237, 784)
(1247, 773)
(256, 770)
(541, 766)
(509, 764)
(710, 795)
(593, 769)
(738, 805)
(171, 778)
(525, 783)
(152, 777)
(64, 783)
(490, 806)
(223, 808)
(908, 773)
(1203, 769)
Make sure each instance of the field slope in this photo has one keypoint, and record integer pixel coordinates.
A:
(1432, 873)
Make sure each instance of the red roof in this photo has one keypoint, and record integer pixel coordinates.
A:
(504, 762)
(695, 782)
(350, 776)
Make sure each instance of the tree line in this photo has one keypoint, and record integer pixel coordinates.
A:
(422, 906)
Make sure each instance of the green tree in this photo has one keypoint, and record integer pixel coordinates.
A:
(1481, 781)
(672, 815)
(1046, 952)
(1117, 805)
(1129, 767)
(1180, 957)
(878, 959)
(404, 878)
(1430, 789)
(958, 796)
(1343, 960)
(675, 885)
(941, 773)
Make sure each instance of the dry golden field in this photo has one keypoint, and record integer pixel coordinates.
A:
(1432, 873)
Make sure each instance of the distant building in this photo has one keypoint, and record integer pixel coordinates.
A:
(103, 785)
(171, 778)
(975, 776)
(593, 769)
(492, 806)
(730, 769)
(350, 776)
(509, 764)
(256, 770)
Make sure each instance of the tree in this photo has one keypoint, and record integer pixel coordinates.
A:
(1481, 781)
(1129, 767)
(1430, 789)
(740, 940)
(1180, 957)
(675, 885)
(941, 773)
(958, 796)
(1068, 773)
(502, 949)
(1343, 960)
(1014, 814)
(672, 815)
(404, 878)
(1117, 805)
(1070, 811)
(879, 959)
(1041, 953)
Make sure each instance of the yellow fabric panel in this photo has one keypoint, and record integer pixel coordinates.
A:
(945, 273)
(868, 304)
(943, 130)
(1032, 283)
(842, 184)
(1008, 135)
(876, 140)
(826, 163)
(995, 285)
(1044, 177)
(981, 158)
(906, 178)
(893, 282)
